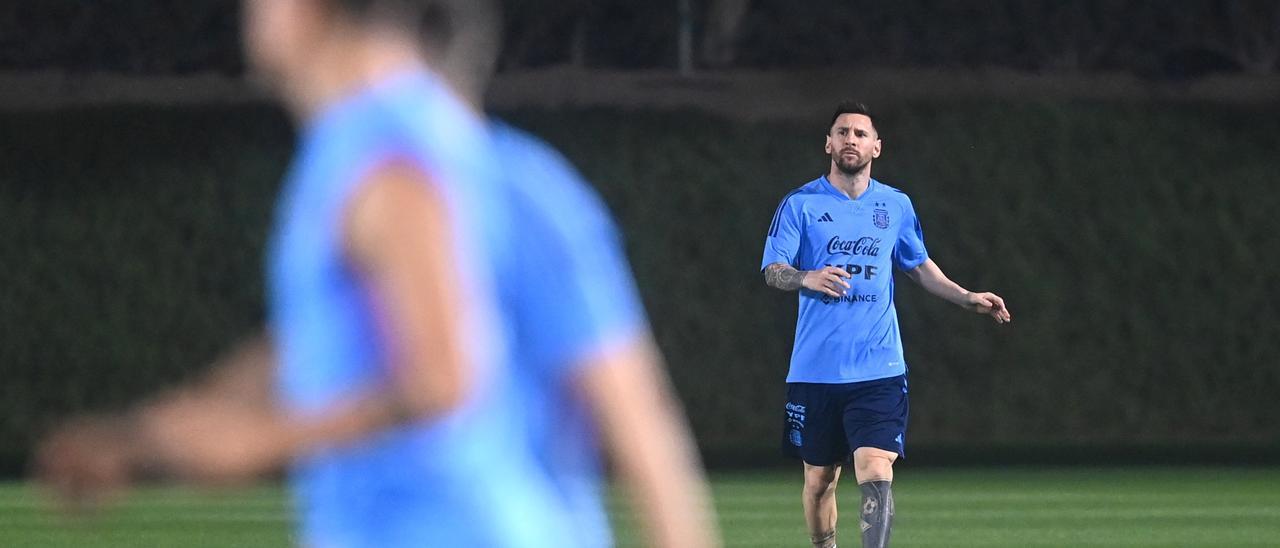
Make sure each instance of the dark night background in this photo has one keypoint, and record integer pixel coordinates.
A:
(1110, 167)
(1151, 38)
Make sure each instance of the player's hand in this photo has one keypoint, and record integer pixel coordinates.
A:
(829, 281)
(989, 304)
(88, 460)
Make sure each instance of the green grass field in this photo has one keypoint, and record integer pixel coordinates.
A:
(969, 507)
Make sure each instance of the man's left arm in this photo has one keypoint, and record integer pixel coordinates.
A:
(933, 280)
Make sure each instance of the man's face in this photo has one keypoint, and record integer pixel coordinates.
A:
(852, 143)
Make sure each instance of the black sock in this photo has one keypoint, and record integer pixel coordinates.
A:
(877, 513)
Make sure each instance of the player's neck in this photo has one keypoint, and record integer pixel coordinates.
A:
(343, 66)
(852, 185)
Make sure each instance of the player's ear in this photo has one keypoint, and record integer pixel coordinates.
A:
(827, 147)
(875, 151)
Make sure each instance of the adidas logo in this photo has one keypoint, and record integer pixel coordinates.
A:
(825, 218)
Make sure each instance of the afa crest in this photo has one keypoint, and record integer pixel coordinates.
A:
(881, 218)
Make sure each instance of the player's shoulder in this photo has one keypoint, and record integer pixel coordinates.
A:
(542, 178)
(798, 196)
(814, 187)
(532, 156)
(892, 193)
(514, 141)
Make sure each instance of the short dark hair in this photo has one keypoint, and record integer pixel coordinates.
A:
(461, 38)
(407, 13)
(464, 38)
(852, 107)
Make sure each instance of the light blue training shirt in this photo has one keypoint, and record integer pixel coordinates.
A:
(854, 337)
(462, 479)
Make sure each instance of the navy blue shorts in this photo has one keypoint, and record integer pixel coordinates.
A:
(826, 422)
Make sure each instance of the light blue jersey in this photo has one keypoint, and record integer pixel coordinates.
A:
(855, 337)
(463, 479)
(569, 294)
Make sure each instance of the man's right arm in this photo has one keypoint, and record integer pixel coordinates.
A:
(829, 280)
(783, 276)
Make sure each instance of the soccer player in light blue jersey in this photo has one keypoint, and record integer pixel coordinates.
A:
(590, 377)
(382, 380)
(836, 240)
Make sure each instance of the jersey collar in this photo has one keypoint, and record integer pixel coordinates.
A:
(831, 189)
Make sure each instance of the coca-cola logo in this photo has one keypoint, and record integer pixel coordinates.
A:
(865, 245)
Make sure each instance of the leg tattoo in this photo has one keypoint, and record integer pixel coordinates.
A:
(877, 513)
(825, 540)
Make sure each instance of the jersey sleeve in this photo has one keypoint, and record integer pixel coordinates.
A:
(605, 287)
(909, 251)
(576, 295)
(782, 243)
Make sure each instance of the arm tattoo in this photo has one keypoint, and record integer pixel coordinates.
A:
(783, 276)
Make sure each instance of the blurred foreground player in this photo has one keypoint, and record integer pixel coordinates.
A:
(380, 380)
(584, 355)
(836, 240)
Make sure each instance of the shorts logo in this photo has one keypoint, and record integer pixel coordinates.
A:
(795, 423)
(881, 218)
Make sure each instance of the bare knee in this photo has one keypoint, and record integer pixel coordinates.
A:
(872, 464)
(820, 481)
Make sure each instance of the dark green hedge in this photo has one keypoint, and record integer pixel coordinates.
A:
(1135, 244)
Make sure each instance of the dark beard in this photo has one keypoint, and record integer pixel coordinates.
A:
(849, 168)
